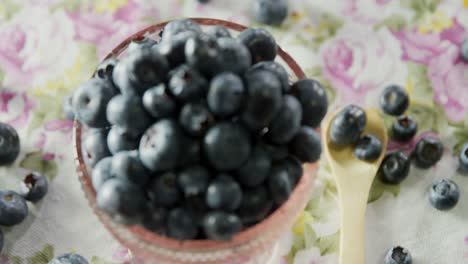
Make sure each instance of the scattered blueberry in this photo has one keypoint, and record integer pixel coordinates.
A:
(69, 259)
(395, 168)
(444, 194)
(95, 146)
(126, 165)
(34, 187)
(306, 145)
(194, 180)
(270, 12)
(68, 107)
(224, 193)
(221, 226)
(234, 55)
(313, 99)
(261, 44)
(122, 111)
(398, 255)
(348, 125)
(186, 84)
(101, 173)
(203, 53)
(177, 26)
(287, 121)
(368, 148)
(276, 69)
(105, 69)
(120, 197)
(174, 49)
(164, 191)
(256, 169)
(196, 119)
(13, 208)
(428, 152)
(280, 184)
(463, 159)
(394, 100)
(464, 50)
(255, 206)
(155, 219)
(218, 32)
(404, 128)
(9, 144)
(158, 103)
(181, 224)
(226, 94)
(121, 139)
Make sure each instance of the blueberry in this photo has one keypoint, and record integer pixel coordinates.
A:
(348, 125)
(404, 128)
(105, 69)
(9, 144)
(158, 103)
(276, 152)
(395, 168)
(126, 165)
(261, 44)
(264, 99)
(464, 50)
(191, 154)
(13, 208)
(203, 53)
(34, 187)
(1, 241)
(144, 43)
(164, 191)
(193, 180)
(428, 152)
(68, 110)
(368, 148)
(280, 183)
(463, 159)
(226, 94)
(195, 118)
(270, 12)
(120, 197)
(121, 139)
(234, 55)
(174, 49)
(293, 166)
(255, 206)
(306, 145)
(313, 99)
(227, 146)
(95, 146)
(276, 69)
(224, 193)
(444, 194)
(221, 226)
(181, 224)
(90, 101)
(175, 27)
(187, 84)
(203, 1)
(155, 220)
(256, 169)
(398, 255)
(197, 206)
(127, 111)
(218, 32)
(287, 121)
(69, 259)
(101, 173)
(394, 100)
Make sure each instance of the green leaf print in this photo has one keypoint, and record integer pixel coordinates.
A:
(33, 161)
(98, 260)
(461, 137)
(418, 84)
(420, 7)
(43, 256)
(379, 188)
(49, 108)
(317, 74)
(394, 22)
(430, 116)
(329, 244)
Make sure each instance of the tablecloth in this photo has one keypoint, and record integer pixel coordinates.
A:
(354, 47)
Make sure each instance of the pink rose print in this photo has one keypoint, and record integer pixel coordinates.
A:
(124, 256)
(52, 137)
(15, 108)
(366, 12)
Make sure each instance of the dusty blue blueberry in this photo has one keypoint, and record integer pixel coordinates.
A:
(13, 208)
(194, 180)
(68, 110)
(255, 206)
(218, 32)
(444, 194)
(121, 197)
(34, 187)
(105, 70)
(428, 152)
(226, 94)
(398, 255)
(69, 259)
(220, 225)
(101, 173)
(203, 54)
(143, 43)
(347, 126)
(395, 168)
(270, 12)
(463, 159)
(261, 44)
(464, 50)
(9, 144)
(287, 121)
(95, 146)
(127, 165)
(306, 145)
(174, 48)
(158, 103)
(164, 191)
(404, 128)
(368, 148)
(276, 69)
(280, 183)
(181, 224)
(313, 99)
(187, 84)
(234, 55)
(155, 220)
(224, 193)
(196, 119)
(121, 139)
(256, 169)
(394, 100)
(127, 111)
(175, 27)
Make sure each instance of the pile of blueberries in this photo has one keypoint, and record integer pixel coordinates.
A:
(199, 135)
(13, 206)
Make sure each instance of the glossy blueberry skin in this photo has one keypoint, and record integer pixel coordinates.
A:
(196, 119)
(226, 94)
(256, 169)
(158, 103)
(444, 194)
(13, 208)
(395, 168)
(347, 126)
(219, 225)
(261, 44)
(394, 100)
(68, 110)
(122, 139)
(263, 99)
(126, 165)
(194, 180)
(404, 128)
(463, 159)
(101, 173)
(177, 26)
(368, 148)
(174, 49)
(203, 54)
(160, 145)
(234, 55)
(287, 121)
(1, 241)
(90, 102)
(187, 84)
(255, 206)
(95, 146)
(34, 187)
(155, 219)
(280, 183)
(398, 255)
(227, 146)
(276, 69)
(105, 70)
(224, 193)
(69, 259)
(218, 32)
(127, 111)
(306, 145)
(428, 152)
(464, 50)
(270, 12)
(181, 224)
(9, 144)
(164, 191)
(313, 99)
(120, 197)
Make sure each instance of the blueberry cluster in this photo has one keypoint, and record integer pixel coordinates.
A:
(199, 135)
(13, 207)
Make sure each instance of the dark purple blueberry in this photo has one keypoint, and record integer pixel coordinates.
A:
(158, 103)
(347, 126)
(127, 111)
(256, 169)
(175, 27)
(218, 32)
(276, 69)
(404, 128)
(69, 259)
(174, 49)
(255, 206)
(121, 197)
(187, 84)
(306, 145)
(395, 168)
(101, 173)
(444, 194)
(95, 146)
(287, 121)
(127, 165)
(155, 219)
(463, 159)
(280, 183)
(261, 44)
(270, 12)
(398, 255)
(9, 144)
(105, 70)
(195, 119)
(394, 100)
(224, 193)
(34, 187)
(122, 139)
(221, 226)
(164, 191)
(68, 110)
(13, 208)
(313, 99)
(194, 180)
(428, 152)
(181, 224)
(203, 54)
(368, 148)
(234, 56)
(226, 94)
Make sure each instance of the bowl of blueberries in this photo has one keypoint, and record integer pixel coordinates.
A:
(196, 142)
